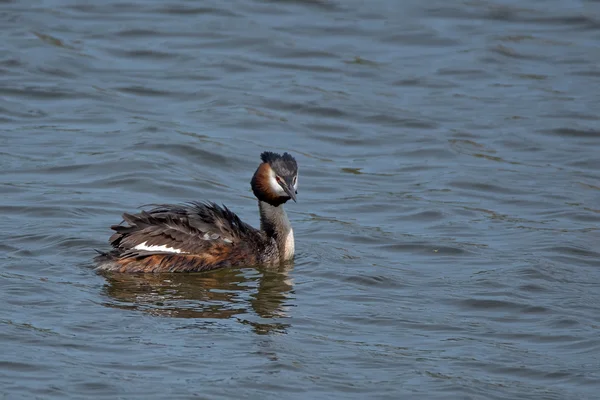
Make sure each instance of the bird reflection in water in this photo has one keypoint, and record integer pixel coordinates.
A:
(219, 294)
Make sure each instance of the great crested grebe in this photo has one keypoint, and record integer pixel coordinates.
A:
(204, 236)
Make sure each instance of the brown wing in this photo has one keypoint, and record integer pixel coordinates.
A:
(196, 237)
(192, 229)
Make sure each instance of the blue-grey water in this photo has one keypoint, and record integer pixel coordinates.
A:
(447, 226)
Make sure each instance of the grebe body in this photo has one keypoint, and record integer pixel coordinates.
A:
(204, 236)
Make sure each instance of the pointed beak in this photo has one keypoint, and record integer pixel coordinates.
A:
(289, 189)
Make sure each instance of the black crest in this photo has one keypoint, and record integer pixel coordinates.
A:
(284, 165)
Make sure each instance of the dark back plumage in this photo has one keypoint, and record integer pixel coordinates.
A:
(189, 237)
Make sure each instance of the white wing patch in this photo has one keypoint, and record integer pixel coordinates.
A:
(162, 247)
(167, 249)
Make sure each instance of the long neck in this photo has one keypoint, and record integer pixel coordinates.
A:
(275, 223)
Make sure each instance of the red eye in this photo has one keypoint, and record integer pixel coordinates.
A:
(278, 179)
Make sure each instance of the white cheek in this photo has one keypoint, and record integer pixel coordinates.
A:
(296, 183)
(275, 187)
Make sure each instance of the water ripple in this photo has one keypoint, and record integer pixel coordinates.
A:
(447, 220)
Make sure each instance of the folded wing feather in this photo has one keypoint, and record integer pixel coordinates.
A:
(184, 229)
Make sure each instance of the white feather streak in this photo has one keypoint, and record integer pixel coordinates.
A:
(162, 247)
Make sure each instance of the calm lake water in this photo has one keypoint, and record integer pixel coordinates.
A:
(448, 219)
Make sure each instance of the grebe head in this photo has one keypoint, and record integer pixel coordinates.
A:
(276, 179)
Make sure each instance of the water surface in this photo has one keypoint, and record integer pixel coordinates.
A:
(447, 223)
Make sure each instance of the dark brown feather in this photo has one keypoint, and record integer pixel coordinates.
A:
(209, 236)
